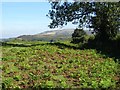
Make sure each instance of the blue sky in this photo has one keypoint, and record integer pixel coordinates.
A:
(23, 18)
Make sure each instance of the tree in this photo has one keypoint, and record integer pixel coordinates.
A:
(103, 17)
(78, 36)
(106, 23)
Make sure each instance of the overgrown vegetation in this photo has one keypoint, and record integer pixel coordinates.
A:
(56, 65)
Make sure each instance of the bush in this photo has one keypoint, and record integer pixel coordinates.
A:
(78, 36)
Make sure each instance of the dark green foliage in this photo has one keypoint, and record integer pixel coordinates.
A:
(111, 47)
(106, 23)
(103, 17)
(78, 36)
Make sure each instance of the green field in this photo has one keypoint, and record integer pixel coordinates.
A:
(56, 65)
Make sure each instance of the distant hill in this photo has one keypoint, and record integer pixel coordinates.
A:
(64, 34)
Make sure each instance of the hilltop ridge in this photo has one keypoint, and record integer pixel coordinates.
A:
(64, 34)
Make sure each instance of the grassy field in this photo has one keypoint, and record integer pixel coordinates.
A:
(56, 65)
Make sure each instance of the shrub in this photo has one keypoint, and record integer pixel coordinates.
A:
(78, 36)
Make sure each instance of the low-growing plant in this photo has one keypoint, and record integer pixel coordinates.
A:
(45, 65)
(50, 84)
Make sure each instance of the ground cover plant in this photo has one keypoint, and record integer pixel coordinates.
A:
(56, 65)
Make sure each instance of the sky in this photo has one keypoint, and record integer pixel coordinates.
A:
(25, 18)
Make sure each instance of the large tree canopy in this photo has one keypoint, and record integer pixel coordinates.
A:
(103, 17)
